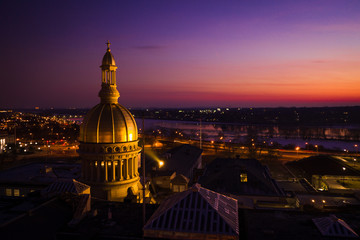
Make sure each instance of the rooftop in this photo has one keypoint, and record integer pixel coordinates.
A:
(40, 173)
(239, 177)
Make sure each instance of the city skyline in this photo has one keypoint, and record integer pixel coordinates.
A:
(182, 53)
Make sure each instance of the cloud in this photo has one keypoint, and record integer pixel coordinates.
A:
(149, 47)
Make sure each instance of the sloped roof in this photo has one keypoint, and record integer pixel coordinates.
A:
(314, 166)
(67, 185)
(183, 158)
(228, 170)
(179, 179)
(197, 210)
(334, 227)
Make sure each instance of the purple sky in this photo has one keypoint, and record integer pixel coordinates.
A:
(181, 53)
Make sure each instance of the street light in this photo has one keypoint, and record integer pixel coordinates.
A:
(161, 163)
(317, 149)
(356, 147)
(297, 150)
(344, 169)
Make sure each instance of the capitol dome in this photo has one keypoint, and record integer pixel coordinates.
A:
(108, 123)
(109, 145)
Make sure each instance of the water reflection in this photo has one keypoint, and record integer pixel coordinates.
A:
(335, 137)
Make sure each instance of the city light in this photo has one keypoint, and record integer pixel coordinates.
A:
(161, 163)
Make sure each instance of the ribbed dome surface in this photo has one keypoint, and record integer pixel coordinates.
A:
(108, 123)
(108, 59)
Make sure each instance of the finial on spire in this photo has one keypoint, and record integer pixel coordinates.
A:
(108, 45)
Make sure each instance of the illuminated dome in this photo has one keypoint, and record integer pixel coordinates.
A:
(108, 123)
(109, 145)
(108, 58)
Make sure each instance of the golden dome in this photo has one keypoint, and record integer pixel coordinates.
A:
(108, 123)
(108, 59)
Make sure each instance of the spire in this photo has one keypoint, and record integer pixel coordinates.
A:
(108, 92)
(108, 46)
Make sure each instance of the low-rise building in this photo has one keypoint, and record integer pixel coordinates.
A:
(197, 213)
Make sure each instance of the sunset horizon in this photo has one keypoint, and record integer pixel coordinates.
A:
(183, 54)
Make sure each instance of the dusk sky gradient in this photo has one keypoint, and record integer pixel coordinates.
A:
(181, 53)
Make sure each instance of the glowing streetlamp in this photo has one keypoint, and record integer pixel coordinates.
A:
(317, 149)
(297, 150)
(161, 163)
(344, 169)
(356, 147)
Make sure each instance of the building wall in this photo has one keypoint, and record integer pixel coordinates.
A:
(111, 169)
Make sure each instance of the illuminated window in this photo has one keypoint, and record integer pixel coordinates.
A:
(16, 192)
(130, 137)
(243, 177)
(8, 192)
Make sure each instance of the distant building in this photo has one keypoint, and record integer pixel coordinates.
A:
(179, 183)
(327, 173)
(2, 143)
(4, 140)
(247, 180)
(196, 213)
(184, 159)
(239, 177)
(109, 142)
(161, 179)
(20, 181)
(165, 183)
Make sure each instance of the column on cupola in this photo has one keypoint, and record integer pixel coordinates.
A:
(120, 170)
(113, 179)
(106, 171)
(134, 169)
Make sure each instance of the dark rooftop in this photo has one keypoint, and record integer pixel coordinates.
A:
(183, 159)
(40, 173)
(322, 165)
(224, 175)
(196, 210)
